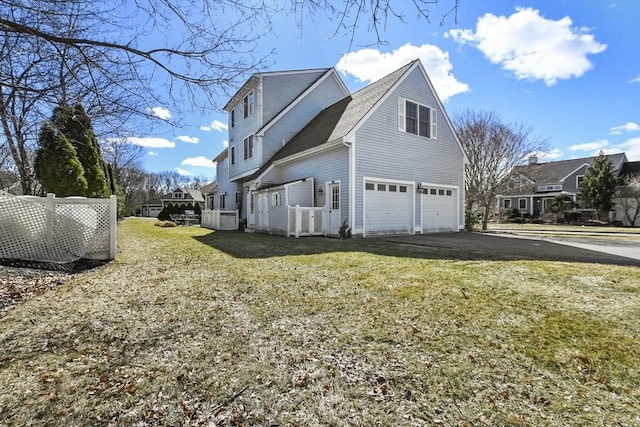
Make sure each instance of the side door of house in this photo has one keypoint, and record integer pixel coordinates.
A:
(333, 202)
(263, 210)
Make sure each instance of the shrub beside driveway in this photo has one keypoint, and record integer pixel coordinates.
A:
(190, 326)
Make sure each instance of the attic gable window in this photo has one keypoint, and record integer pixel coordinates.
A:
(417, 119)
(178, 195)
(248, 103)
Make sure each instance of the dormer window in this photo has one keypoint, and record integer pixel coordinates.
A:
(178, 195)
(248, 104)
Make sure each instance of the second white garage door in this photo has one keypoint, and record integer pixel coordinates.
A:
(387, 208)
(439, 209)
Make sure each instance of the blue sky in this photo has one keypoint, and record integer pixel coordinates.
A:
(570, 69)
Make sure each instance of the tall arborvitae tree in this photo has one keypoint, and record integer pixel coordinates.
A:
(56, 164)
(598, 187)
(78, 129)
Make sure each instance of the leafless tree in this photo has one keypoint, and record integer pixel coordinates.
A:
(493, 149)
(120, 57)
(372, 16)
(113, 57)
(628, 200)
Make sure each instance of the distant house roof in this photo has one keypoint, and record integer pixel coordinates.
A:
(630, 169)
(190, 194)
(555, 172)
(337, 120)
(152, 202)
(209, 188)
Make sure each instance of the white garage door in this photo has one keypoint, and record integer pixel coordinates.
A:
(387, 208)
(439, 209)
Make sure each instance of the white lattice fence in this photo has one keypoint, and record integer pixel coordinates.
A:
(58, 230)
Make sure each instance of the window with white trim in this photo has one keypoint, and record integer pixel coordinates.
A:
(275, 199)
(417, 119)
(248, 147)
(522, 204)
(506, 203)
(579, 180)
(248, 104)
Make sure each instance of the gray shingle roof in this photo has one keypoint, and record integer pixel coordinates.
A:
(630, 169)
(337, 120)
(554, 172)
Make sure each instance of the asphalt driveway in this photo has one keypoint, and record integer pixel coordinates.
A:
(508, 246)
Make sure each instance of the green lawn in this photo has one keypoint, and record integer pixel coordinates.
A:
(190, 327)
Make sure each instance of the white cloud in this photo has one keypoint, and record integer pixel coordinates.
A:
(598, 145)
(215, 125)
(152, 153)
(369, 65)
(151, 142)
(161, 112)
(225, 143)
(201, 161)
(532, 46)
(635, 79)
(183, 172)
(627, 127)
(188, 139)
(631, 147)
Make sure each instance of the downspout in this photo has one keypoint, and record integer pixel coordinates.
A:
(351, 217)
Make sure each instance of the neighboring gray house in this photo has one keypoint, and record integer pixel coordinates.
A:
(384, 160)
(531, 188)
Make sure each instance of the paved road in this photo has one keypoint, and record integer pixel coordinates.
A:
(510, 246)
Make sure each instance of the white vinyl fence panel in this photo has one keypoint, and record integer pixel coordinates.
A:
(59, 230)
(305, 221)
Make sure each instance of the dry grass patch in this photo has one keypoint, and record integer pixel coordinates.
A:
(192, 327)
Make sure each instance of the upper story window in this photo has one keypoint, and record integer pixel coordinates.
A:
(232, 154)
(248, 147)
(555, 187)
(248, 104)
(417, 119)
(178, 195)
(232, 118)
(579, 180)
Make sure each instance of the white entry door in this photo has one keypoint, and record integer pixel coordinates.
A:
(333, 202)
(262, 214)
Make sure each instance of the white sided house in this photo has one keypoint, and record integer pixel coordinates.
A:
(306, 157)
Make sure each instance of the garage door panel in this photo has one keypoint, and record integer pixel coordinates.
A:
(439, 210)
(388, 208)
